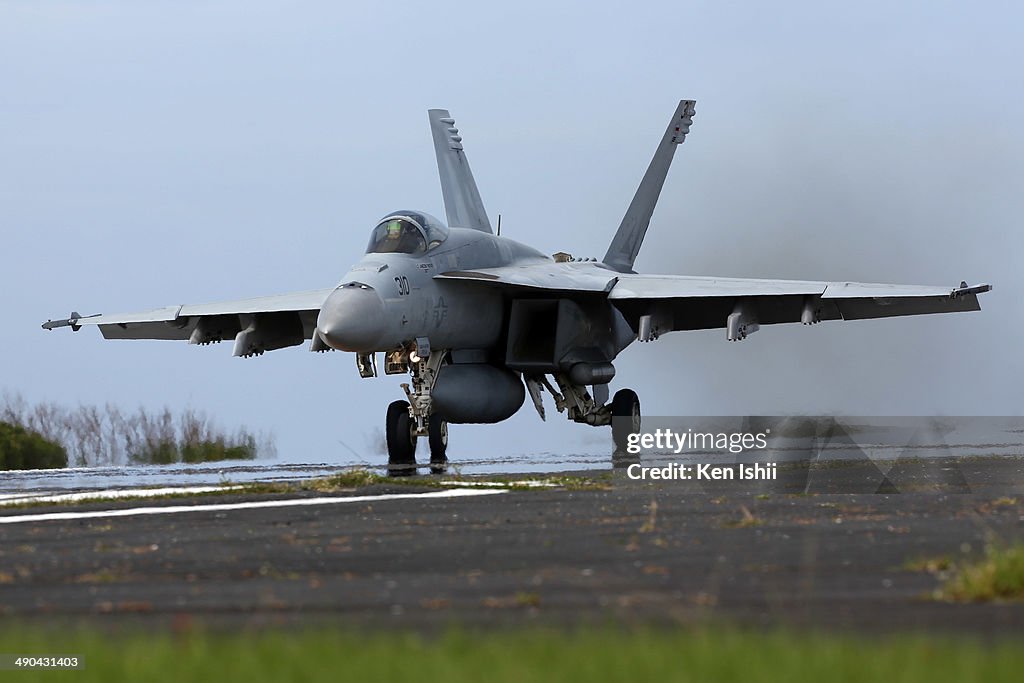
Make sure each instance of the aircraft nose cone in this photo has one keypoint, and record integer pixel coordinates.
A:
(352, 319)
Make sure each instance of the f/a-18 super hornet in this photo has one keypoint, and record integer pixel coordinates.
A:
(479, 321)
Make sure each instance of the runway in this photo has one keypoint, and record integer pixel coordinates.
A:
(117, 477)
(858, 439)
(401, 554)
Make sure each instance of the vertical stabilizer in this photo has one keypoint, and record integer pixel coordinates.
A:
(462, 202)
(626, 243)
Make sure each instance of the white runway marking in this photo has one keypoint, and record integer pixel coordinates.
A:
(105, 494)
(525, 483)
(14, 496)
(249, 505)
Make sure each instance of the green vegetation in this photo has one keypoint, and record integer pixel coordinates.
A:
(588, 654)
(932, 565)
(356, 478)
(998, 575)
(359, 478)
(217, 449)
(596, 482)
(746, 521)
(91, 435)
(21, 449)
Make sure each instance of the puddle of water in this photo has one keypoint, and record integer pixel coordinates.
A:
(973, 438)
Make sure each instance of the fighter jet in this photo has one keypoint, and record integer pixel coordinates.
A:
(479, 321)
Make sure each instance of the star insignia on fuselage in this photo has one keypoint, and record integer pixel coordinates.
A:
(440, 311)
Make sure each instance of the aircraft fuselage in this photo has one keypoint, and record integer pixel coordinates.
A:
(388, 299)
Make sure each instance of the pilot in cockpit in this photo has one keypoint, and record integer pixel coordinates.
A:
(392, 235)
(400, 237)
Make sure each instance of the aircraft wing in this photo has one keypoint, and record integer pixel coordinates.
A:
(545, 275)
(655, 304)
(742, 305)
(257, 325)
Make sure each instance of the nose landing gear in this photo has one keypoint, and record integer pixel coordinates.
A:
(409, 420)
(400, 434)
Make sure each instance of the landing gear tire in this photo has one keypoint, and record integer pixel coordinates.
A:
(400, 438)
(438, 439)
(625, 418)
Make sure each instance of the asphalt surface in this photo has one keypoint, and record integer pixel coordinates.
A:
(637, 552)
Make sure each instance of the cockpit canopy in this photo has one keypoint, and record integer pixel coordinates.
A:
(406, 232)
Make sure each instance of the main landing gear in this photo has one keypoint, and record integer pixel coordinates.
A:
(622, 413)
(411, 419)
(402, 435)
(625, 418)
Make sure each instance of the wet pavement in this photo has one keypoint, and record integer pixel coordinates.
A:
(782, 552)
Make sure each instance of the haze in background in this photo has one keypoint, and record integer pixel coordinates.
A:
(165, 153)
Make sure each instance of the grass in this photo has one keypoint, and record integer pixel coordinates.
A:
(746, 521)
(996, 576)
(351, 479)
(593, 655)
(361, 478)
(932, 565)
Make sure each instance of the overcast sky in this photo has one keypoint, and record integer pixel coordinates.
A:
(182, 152)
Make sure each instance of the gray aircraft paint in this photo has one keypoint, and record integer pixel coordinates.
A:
(462, 294)
(450, 315)
(462, 203)
(625, 246)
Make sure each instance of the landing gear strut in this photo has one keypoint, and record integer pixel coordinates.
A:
(408, 420)
(622, 413)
